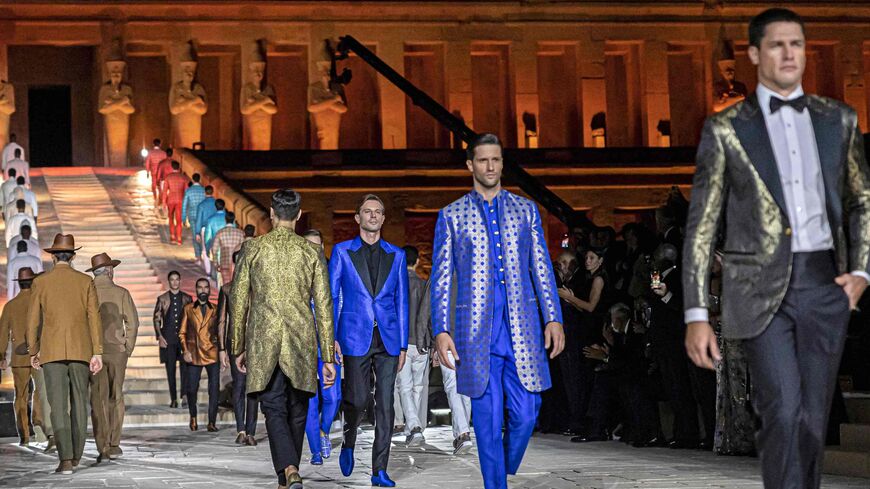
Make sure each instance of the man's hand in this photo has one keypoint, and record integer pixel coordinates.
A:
(188, 357)
(34, 362)
(339, 358)
(3, 364)
(436, 360)
(595, 352)
(96, 364)
(225, 360)
(444, 345)
(402, 357)
(241, 365)
(853, 286)
(328, 374)
(661, 290)
(565, 293)
(554, 335)
(701, 344)
(162, 342)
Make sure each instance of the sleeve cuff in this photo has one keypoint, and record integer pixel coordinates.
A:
(864, 275)
(697, 314)
(667, 297)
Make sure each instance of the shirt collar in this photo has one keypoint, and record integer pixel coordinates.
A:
(479, 198)
(101, 279)
(763, 93)
(370, 247)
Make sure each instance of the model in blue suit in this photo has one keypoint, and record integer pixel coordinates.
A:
(369, 282)
(491, 244)
(322, 409)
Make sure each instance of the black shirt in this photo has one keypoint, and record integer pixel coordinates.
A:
(372, 254)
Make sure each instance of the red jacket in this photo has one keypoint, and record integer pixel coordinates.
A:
(174, 186)
(155, 156)
(164, 168)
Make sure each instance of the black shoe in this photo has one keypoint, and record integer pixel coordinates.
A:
(174, 404)
(652, 442)
(706, 445)
(587, 439)
(681, 444)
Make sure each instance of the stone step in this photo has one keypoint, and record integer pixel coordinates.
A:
(858, 407)
(142, 361)
(158, 385)
(839, 461)
(164, 415)
(151, 372)
(855, 437)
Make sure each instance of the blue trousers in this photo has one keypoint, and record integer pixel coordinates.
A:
(321, 416)
(501, 455)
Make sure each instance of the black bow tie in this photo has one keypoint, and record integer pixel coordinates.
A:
(798, 104)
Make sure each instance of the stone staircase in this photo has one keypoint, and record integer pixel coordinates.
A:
(852, 456)
(85, 209)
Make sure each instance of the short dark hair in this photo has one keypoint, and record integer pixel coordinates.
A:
(175, 165)
(17, 152)
(195, 177)
(12, 172)
(287, 203)
(64, 256)
(171, 273)
(313, 232)
(20, 180)
(20, 204)
(758, 24)
(481, 140)
(250, 230)
(169, 151)
(21, 246)
(412, 254)
(202, 279)
(220, 205)
(230, 217)
(209, 190)
(366, 198)
(156, 141)
(24, 227)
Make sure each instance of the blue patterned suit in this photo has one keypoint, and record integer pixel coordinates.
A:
(497, 256)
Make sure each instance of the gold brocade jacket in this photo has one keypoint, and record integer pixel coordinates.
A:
(280, 277)
(737, 189)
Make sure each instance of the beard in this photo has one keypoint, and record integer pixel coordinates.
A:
(202, 297)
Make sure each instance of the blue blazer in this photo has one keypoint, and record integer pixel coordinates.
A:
(461, 255)
(358, 302)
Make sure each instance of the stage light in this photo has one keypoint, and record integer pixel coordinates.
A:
(144, 152)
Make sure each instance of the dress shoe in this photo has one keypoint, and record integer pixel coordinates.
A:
(325, 445)
(103, 457)
(589, 438)
(294, 481)
(65, 467)
(416, 438)
(23, 442)
(51, 446)
(381, 479)
(193, 425)
(115, 453)
(250, 441)
(346, 461)
(211, 428)
(316, 459)
(240, 440)
(75, 462)
(706, 445)
(462, 444)
(174, 404)
(652, 442)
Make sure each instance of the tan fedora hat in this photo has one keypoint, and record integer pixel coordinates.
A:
(63, 242)
(26, 274)
(102, 260)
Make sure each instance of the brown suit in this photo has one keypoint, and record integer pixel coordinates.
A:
(120, 324)
(13, 326)
(64, 329)
(199, 335)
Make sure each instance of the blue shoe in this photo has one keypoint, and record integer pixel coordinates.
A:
(325, 446)
(316, 459)
(345, 461)
(381, 479)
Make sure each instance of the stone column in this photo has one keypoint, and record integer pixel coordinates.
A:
(115, 103)
(393, 121)
(525, 71)
(326, 106)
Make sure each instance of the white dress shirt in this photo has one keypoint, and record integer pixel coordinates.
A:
(20, 192)
(9, 154)
(20, 261)
(7, 187)
(793, 141)
(13, 226)
(32, 248)
(22, 169)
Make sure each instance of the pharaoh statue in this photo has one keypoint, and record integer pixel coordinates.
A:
(7, 107)
(727, 90)
(257, 102)
(116, 105)
(187, 103)
(326, 105)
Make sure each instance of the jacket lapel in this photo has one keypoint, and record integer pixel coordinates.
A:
(752, 132)
(829, 135)
(359, 262)
(384, 268)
